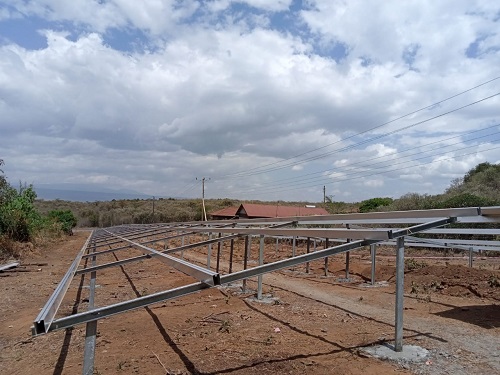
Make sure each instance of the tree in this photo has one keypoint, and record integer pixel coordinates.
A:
(482, 181)
(477, 169)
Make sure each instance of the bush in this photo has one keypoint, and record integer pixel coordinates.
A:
(374, 203)
(65, 218)
(19, 219)
(465, 200)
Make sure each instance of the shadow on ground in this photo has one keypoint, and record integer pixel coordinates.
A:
(485, 316)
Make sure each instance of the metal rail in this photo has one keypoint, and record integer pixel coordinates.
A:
(46, 316)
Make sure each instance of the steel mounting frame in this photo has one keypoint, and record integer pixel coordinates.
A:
(138, 236)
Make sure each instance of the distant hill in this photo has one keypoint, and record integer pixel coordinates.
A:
(84, 193)
(84, 196)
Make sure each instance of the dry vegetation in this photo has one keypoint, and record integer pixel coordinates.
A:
(140, 211)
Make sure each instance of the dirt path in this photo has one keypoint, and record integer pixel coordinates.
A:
(458, 347)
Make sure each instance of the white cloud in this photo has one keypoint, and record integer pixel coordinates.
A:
(374, 182)
(226, 91)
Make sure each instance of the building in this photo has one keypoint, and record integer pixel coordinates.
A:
(259, 211)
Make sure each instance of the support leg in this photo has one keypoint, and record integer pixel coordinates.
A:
(400, 274)
(373, 251)
(261, 262)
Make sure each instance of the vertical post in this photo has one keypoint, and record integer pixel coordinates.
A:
(209, 252)
(218, 254)
(326, 258)
(308, 251)
(347, 260)
(245, 262)
(471, 255)
(373, 251)
(400, 275)
(277, 245)
(182, 251)
(261, 262)
(347, 257)
(231, 252)
(293, 249)
(249, 250)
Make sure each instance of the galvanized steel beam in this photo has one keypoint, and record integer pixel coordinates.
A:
(46, 316)
(373, 234)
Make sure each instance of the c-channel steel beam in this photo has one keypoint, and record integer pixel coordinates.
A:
(439, 243)
(310, 232)
(46, 316)
(204, 275)
(147, 256)
(421, 227)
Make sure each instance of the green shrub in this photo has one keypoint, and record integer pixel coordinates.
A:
(465, 200)
(65, 218)
(374, 203)
(19, 219)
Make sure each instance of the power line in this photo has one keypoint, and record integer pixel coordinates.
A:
(360, 133)
(379, 172)
(250, 173)
(300, 179)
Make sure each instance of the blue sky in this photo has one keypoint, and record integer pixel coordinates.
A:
(271, 100)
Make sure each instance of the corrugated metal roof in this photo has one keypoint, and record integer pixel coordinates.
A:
(228, 211)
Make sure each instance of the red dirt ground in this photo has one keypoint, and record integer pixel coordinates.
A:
(318, 325)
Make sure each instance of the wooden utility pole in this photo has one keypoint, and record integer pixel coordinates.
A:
(203, 197)
(324, 194)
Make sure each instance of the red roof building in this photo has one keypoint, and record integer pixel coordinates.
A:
(255, 211)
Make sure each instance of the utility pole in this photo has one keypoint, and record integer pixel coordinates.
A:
(203, 197)
(324, 194)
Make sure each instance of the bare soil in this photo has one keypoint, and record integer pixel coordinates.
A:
(316, 325)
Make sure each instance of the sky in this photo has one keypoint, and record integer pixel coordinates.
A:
(269, 100)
